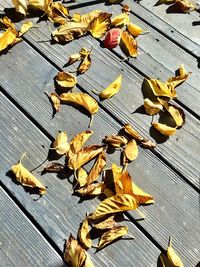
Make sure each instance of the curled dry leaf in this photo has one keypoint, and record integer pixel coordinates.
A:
(141, 196)
(26, 26)
(57, 13)
(54, 167)
(20, 6)
(134, 29)
(100, 25)
(176, 113)
(131, 150)
(120, 20)
(81, 176)
(114, 204)
(65, 79)
(128, 44)
(86, 62)
(73, 58)
(84, 155)
(151, 107)
(55, 100)
(112, 38)
(115, 140)
(60, 144)
(164, 129)
(79, 140)
(181, 76)
(112, 89)
(84, 234)
(108, 223)
(26, 178)
(172, 256)
(93, 189)
(111, 235)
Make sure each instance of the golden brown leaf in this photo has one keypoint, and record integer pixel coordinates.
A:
(82, 176)
(97, 168)
(43, 5)
(185, 5)
(114, 204)
(93, 189)
(84, 155)
(180, 78)
(120, 20)
(108, 223)
(69, 31)
(172, 256)
(26, 178)
(20, 6)
(60, 143)
(55, 100)
(151, 107)
(115, 140)
(57, 13)
(128, 44)
(134, 29)
(25, 27)
(131, 150)
(73, 58)
(112, 89)
(89, 17)
(117, 172)
(176, 113)
(124, 184)
(111, 235)
(7, 23)
(84, 234)
(79, 140)
(164, 129)
(65, 79)
(100, 25)
(85, 64)
(141, 196)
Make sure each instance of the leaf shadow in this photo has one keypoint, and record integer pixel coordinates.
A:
(139, 110)
(195, 23)
(174, 9)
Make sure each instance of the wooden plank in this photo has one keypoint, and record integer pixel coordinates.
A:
(180, 153)
(177, 204)
(18, 237)
(58, 212)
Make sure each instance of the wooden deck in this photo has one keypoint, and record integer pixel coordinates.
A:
(33, 231)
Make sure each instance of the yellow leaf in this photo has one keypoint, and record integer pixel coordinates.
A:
(69, 31)
(114, 204)
(20, 6)
(128, 44)
(55, 101)
(93, 189)
(7, 23)
(180, 78)
(57, 13)
(82, 176)
(112, 89)
(65, 79)
(141, 196)
(108, 223)
(7, 38)
(131, 150)
(84, 155)
(117, 172)
(124, 184)
(87, 18)
(173, 257)
(25, 27)
(120, 20)
(73, 58)
(176, 113)
(43, 5)
(100, 25)
(151, 107)
(60, 144)
(115, 140)
(111, 235)
(79, 140)
(84, 234)
(26, 178)
(85, 64)
(88, 262)
(134, 29)
(97, 168)
(164, 129)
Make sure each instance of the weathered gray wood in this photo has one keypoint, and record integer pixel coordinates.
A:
(182, 153)
(176, 211)
(58, 212)
(21, 244)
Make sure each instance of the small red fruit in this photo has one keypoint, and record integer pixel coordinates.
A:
(112, 38)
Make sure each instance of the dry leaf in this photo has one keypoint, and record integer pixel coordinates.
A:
(131, 150)
(26, 178)
(25, 27)
(134, 29)
(74, 254)
(93, 189)
(112, 38)
(112, 89)
(85, 64)
(108, 223)
(54, 167)
(20, 6)
(172, 256)
(128, 44)
(120, 20)
(129, 129)
(185, 5)
(43, 5)
(60, 143)
(65, 79)
(97, 168)
(176, 113)
(84, 234)
(79, 140)
(57, 13)
(100, 25)
(111, 235)
(114, 204)
(141, 196)
(7, 23)
(69, 31)
(81, 176)
(180, 78)
(73, 58)
(151, 107)
(55, 101)
(8, 38)
(164, 129)
(117, 172)
(115, 140)
(84, 155)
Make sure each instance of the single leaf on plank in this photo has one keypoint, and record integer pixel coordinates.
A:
(108, 223)
(20, 6)
(65, 79)
(84, 155)
(128, 44)
(112, 38)
(181, 76)
(93, 189)
(151, 107)
(113, 234)
(26, 178)
(131, 150)
(116, 140)
(60, 143)
(85, 63)
(164, 129)
(100, 25)
(172, 256)
(84, 234)
(114, 204)
(97, 168)
(55, 100)
(120, 20)
(134, 29)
